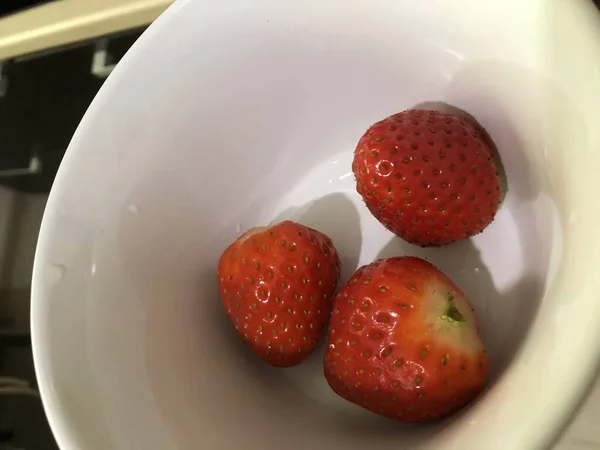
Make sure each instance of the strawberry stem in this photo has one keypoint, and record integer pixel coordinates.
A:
(452, 314)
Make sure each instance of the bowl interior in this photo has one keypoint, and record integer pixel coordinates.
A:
(227, 116)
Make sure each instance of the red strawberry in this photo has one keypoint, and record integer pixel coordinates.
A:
(403, 342)
(276, 284)
(428, 177)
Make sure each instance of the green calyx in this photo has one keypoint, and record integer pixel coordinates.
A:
(452, 313)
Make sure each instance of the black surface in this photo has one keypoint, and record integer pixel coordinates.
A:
(45, 100)
(8, 7)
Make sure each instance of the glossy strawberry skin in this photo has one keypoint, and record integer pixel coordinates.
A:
(394, 346)
(428, 177)
(276, 284)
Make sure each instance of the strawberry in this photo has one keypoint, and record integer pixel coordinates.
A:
(403, 342)
(276, 284)
(428, 177)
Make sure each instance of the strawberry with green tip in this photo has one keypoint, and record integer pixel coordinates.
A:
(276, 284)
(403, 342)
(428, 177)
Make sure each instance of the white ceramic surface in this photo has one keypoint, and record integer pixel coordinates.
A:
(229, 114)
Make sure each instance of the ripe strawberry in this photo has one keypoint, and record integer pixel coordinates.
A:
(428, 177)
(403, 342)
(277, 284)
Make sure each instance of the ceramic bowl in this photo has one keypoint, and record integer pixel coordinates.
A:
(226, 115)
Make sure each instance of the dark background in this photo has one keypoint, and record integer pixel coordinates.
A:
(45, 99)
(12, 6)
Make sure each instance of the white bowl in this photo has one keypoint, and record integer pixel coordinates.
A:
(225, 115)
